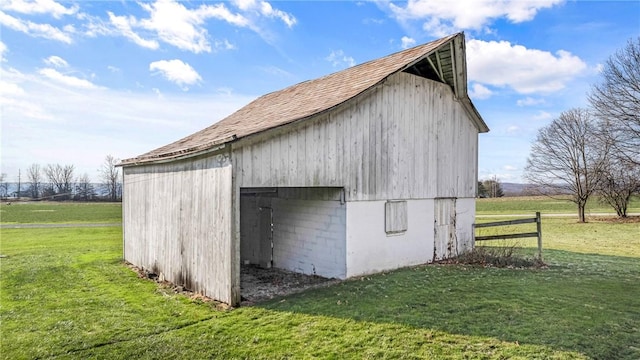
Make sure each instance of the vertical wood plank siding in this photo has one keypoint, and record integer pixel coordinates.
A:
(178, 223)
(406, 139)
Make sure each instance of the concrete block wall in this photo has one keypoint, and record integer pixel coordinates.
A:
(310, 236)
(370, 249)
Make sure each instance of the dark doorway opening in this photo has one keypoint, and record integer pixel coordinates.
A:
(290, 239)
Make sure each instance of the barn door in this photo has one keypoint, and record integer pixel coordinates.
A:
(265, 231)
(445, 228)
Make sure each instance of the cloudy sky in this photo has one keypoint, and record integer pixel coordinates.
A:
(83, 79)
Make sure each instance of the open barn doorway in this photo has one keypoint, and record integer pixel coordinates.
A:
(291, 238)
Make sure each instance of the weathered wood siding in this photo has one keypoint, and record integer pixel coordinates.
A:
(178, 223)
(406, 139)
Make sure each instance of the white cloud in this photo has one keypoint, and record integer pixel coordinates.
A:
(173, 23)
(157, 92)
(524, 70)
(264, 8)
(267, 10)
(407, 42)
(14, 98)
(56, 61)
(7, 88)
(3, 50)
(176, 71)
(123, 25)
(373, 21)
(23, 106)
(113, 69)
(445, 17)
(68, 80)
(479, 92)
(337, 58)
(529, 101)
(435, 27)
(244, 5)
(33, 29)
(181, 27)
(276, 71)
(510, 168)
(542, 115)
(513, 129)
(39, 7)
(599, 68)
(94, 26)
(224, 44)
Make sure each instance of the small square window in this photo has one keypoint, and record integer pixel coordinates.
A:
(395, 216)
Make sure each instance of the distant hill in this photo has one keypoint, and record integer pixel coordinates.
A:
(514, 189)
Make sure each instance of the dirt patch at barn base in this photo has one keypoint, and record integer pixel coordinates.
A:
(256, 284)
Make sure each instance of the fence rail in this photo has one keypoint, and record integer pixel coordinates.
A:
(536, 234)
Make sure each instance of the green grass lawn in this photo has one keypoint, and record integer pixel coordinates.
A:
(60, 212)
(546, 205)
(65, 293)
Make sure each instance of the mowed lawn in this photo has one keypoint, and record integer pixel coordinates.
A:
(60, 212)
(65, 293)
(546, 205)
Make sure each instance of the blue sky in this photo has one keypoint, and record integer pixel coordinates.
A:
(83, 79)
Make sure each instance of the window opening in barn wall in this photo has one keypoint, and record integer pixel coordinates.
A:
(395, 217)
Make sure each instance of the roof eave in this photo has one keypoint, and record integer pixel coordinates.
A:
(181, 155)
(474, 115)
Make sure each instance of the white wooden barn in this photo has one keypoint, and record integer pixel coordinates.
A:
(368, 169)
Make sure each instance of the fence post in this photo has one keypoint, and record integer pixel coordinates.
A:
(539, 230)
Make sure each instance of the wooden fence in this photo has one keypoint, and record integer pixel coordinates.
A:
(536, 234)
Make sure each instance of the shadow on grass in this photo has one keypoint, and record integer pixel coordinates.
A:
(582, 302)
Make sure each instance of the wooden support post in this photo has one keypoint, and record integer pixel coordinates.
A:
(539, 230)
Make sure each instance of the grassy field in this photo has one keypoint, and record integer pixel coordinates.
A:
(60, 212)
(65, 293)
(546, 205)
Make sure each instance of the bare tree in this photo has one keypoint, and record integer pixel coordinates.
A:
(4, 186)
(493, 187)
(110, 176)
(34, 176)
(565, 157)
(482, 191)
(619, 181)
(620, 177)
(61, 179)
(84, 189)
(617, 99)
